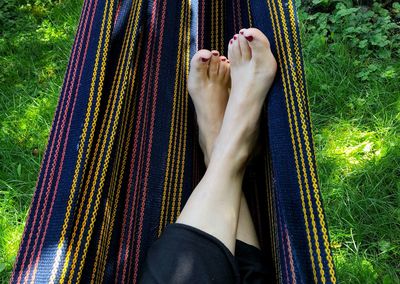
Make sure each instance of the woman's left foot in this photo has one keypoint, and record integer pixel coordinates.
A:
(208, 84)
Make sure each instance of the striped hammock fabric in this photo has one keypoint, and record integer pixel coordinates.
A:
(123, 157)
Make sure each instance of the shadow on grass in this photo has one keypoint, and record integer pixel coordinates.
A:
(358, 148)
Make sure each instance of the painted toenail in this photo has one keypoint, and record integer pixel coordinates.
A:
(215, 53)
(231, 41)
(241, 32)
(249, 38)
(204, 59)
(223, 59)
(234, 37)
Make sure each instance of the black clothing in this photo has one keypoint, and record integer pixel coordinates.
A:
(185, 254)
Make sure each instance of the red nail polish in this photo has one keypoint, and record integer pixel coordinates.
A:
(231, 41)
(223, 59)
(241, 33)
(249, 38)
(215, 53)
(204, 59)
(234, 37)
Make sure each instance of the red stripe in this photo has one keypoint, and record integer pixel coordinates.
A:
(202, 22)
(239, 10)
(32, 226)
(55, 158)
(132, 166)
(136, 137)
(234, 17)
(150, 140)
(65, 143)
(284, 252)
(117, 12)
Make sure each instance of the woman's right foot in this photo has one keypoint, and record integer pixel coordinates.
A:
(253, 69)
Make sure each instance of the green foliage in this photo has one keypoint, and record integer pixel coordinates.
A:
(372, 33)
(352, 66)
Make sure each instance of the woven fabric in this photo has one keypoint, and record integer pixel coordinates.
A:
(122, 156)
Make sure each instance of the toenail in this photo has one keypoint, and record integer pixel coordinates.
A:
(231, 41)
(223, 59)
(228, 61)
(249, 38)
(241, 32)
(215, 53)
(234, 37)
(204, 59)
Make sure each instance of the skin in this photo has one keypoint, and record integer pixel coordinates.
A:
(228, 130)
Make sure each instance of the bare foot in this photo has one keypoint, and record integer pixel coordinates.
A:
(208, 83)
(253, 69)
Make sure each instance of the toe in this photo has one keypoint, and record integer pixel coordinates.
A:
(244, 47)
(214, 63)
(223, 67)
(256, 39)
(226, 71)
(201, 60)
(234, 50)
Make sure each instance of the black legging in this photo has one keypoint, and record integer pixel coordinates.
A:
(184, 254)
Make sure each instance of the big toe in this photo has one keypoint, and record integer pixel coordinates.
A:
(200, 61)
(256, 39)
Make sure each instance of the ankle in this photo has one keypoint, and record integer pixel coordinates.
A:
(229, 161)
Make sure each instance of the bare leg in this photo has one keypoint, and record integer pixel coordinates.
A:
(214, 204)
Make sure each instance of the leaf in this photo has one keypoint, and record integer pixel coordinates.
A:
(346, 12)
(19, 170)
(363, 43)
(384, 53)
(387, 280)
(384, 246)
(2, 266)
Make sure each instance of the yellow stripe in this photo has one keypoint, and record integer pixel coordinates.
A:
(222, 48)
(213, 46)
(108, 224)
(309, 154)
(295, 83)
(103, 265)
(274, 18)
(181, 108)
(172, 190)
(84, 133)
(108, 154)
(272, 217)
(93, 162)
(103, 173)
(104, 261)
(169, 167)
(187, 106)
(105, 232)
(217, 27)
(249, 13)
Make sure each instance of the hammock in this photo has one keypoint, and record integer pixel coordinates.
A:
(123, 157)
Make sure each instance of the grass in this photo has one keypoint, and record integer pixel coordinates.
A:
(34, 53)
(356, 130)
(357, 135)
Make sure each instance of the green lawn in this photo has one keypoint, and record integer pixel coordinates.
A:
(355, 113)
